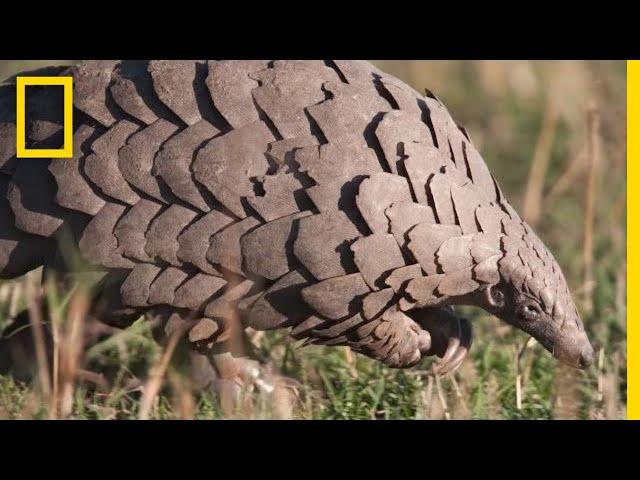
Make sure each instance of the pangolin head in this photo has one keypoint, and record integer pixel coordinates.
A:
(533, 295)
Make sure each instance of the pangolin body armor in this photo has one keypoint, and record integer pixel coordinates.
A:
(327, 197)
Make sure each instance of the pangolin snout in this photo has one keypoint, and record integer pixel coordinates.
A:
(574, 350)
(586, 357)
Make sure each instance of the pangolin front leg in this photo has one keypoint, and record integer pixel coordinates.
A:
(393, 338)
(401, 339)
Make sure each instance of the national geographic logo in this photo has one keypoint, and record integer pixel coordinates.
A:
(67, 148)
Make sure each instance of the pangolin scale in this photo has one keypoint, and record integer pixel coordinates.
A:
(322, 196)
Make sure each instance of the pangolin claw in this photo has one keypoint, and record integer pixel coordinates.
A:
(457, 348)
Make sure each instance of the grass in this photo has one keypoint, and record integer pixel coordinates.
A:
(505, 107)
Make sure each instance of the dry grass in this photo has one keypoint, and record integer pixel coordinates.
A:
(553, 133)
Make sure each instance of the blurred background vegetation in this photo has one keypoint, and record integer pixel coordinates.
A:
(554, 135)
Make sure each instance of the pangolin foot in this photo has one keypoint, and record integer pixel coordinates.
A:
(238, 377)
(451, 337)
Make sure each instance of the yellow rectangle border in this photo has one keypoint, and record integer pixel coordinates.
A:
(21, 149)
(633, 238)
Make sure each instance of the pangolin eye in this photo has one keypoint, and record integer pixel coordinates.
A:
(530, 311)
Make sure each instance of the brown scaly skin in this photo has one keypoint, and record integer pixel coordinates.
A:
(323, 196)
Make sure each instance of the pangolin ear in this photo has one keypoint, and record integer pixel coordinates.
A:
(494, 296)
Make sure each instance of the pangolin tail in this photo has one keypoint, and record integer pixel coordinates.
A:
(20, 252)
(29, 222)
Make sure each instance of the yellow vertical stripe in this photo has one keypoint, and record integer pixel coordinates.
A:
(633, 237)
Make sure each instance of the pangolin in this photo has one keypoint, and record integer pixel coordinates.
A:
(326, 197)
